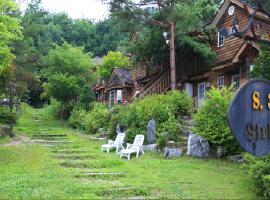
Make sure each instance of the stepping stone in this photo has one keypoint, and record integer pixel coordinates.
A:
(100, 174)
(74, 157)
(54, 142)
(70, 151)
(121, 192)
(50, 135)
(76, 165)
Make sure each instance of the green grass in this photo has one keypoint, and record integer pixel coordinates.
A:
(32, 171)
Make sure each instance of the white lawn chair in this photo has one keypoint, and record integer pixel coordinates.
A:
(136, 147)
(117, 144)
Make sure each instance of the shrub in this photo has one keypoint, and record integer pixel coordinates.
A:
(166, 109)
(77, 117)
(98, 117)
(211, 120)
(259, 169)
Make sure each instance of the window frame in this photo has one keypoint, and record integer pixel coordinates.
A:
(233, 80)
(219, 81)
(219, 44)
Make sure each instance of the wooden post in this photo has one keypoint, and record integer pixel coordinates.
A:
(172, 57)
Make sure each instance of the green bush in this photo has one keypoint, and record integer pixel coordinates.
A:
(77, 118)
(211, 120)
(98, 117)
(259, 169)
(166, 109)
(6, 117)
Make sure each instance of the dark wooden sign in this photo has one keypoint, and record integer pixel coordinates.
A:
(249, 116)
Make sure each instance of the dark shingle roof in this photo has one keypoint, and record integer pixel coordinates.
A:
(124, 75)
(250, 3)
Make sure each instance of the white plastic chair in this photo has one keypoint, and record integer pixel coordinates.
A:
(117, 143)
(136, 147)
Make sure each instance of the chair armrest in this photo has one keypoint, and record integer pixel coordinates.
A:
(129, 145)
(110, 142)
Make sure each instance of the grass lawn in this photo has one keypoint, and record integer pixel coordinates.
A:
(72, 167)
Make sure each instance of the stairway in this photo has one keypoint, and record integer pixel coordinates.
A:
(160, 85)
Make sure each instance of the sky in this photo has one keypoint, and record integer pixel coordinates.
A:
(91, 9)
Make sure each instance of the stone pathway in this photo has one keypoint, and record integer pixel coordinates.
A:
(86, 166)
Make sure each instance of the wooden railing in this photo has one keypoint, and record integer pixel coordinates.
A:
(159, 85)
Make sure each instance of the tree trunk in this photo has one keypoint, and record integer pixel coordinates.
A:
(172, 57)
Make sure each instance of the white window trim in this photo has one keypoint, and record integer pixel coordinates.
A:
(119, 94)
(218, 44)
(221, 77)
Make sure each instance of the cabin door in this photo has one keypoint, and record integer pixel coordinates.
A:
(189, 89)
(201, 93)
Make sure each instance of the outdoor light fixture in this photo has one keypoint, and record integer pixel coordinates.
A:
(166, 35)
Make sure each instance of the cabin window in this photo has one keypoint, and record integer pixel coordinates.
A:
(119, 96)
(221, 81)
(111, 97)
(236, 81)
(221, 39)
(251, 68)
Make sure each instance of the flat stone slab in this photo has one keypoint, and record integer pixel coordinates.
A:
(172, 153)
(70, 151)
(100, 174)
(50, 135)
(150, 147)
(75, 157)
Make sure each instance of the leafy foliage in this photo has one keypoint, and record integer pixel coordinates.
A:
(262, 64)
(111, 60)
(149, 19)
(68, 74)
(259, 168)
(165, 109)
(211, 120)
(97, 118)
(6, 117)
(77, 118)
(10, 31)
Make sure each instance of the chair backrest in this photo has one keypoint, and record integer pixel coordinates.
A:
(120, 138)
(138, 141)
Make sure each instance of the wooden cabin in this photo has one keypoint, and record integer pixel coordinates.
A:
(235, 56)
(119, 86)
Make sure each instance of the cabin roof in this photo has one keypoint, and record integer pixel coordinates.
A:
(120, 78)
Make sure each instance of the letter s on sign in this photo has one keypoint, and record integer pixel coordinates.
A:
(256, 100)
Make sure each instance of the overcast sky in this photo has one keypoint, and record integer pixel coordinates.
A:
(91, 9)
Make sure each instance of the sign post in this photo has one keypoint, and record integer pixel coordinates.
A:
(249, 117)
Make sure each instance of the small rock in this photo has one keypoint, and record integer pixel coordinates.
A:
(236, 158)
(219, 151)
(151, 132)
(171, 144)
(171, 153)
(118, 129)
(150, 147)
(197, 146)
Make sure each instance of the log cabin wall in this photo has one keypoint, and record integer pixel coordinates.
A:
(138, 73)
(231, 44)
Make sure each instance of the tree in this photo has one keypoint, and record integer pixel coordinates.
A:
(69, 73)
(262, 64)
(109, 37)
(173, 16)
(10, 31)
(111, 60)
